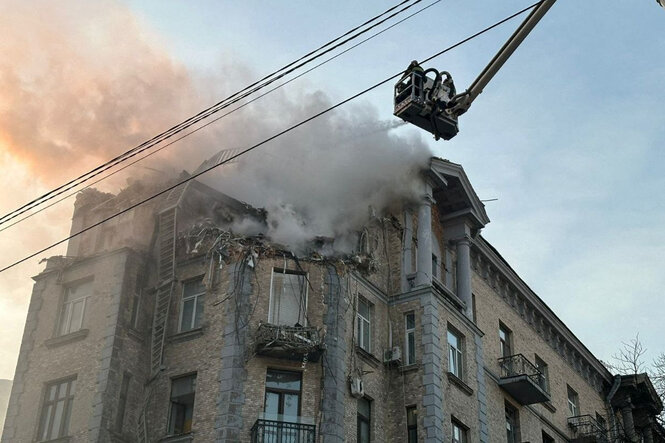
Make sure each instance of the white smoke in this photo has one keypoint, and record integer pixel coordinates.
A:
(322, 178)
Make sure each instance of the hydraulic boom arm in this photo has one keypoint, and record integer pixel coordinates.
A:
(461, 103)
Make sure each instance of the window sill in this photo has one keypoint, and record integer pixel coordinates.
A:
(186, 335)
(460, 384)
(180, 438)
(368, 357)
(65, 339)
(414, 367)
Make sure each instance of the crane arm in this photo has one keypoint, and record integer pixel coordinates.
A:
(461, 102)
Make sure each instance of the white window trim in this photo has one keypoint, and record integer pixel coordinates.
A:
(271, 300)
(360, 325)
(68, 312)
(183, 299)
(407, 331)
(456, 370)
(573, 406)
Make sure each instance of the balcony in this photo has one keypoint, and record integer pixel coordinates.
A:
(586, 429)
(290, 342)
(273, 431)
(522, 380)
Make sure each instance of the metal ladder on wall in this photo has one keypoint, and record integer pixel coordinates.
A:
(166, 241)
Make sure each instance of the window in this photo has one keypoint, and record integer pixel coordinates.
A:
(547, 438)
(56, 409)
(122, 401)
(512, 424)
(364, 329)
(435, 266)
(73, 308)
(573, 402)
(182, 404)
(191, 309)
(414, 255)
(505, 340)
(282, 402)
(545, 379)
(455, 355)
(288, 298)
(364, 416)
(410, 339)
(136, 311)
(412, 424)
(459, 432)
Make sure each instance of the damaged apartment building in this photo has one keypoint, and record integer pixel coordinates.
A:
(167, 325)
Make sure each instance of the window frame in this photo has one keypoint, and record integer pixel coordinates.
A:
(50, 407)
(409, 350)
(362, 323)
(302, 319)
(456, 363)
(412, 424)
(360, 418)
(67, 308)
(281, 392)
(195, 297)
(505, 340)
(170, 425)
(541, 365)
(457, 425)
(512, 423)
(573, 399)
(122, 401)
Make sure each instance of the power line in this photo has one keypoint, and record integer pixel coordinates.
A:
(187, 134)
(234, 98)
(279, 134)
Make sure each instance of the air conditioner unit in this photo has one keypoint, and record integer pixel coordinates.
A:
(356, 385)
(392, 356)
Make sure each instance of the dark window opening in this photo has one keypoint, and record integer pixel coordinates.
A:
(182, 404)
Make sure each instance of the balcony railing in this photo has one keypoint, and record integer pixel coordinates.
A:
(292, 342)
(522, 379)
(586, 429)
(271, 431)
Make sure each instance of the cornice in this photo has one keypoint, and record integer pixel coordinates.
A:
(505, 282)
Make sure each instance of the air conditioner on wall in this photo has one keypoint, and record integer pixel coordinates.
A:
(392, 356)
(356, 385)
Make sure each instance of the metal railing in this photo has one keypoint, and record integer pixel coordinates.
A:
(271, 431)
(586, 426)
(302, 339)
(518, 365)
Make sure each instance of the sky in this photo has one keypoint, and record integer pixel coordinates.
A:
(566, 137)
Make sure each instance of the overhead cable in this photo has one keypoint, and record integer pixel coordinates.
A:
(187, 134)
(251, 148)
(233, 98)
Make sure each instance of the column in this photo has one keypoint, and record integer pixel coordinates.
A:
(628, 422)
(464, 273)
(424, 235)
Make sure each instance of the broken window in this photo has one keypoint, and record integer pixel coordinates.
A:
(57, 409)
(182, 404)
(191, 308)
(364, 324)
(288, 298)
(73, 307)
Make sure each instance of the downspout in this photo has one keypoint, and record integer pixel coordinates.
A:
(613, 391)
